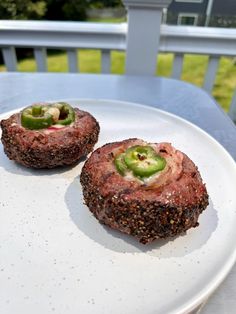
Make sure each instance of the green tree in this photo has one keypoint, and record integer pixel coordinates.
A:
(105, 3)
(22, 9)
(74, 10)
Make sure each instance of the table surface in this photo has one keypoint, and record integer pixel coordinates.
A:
(183, 99)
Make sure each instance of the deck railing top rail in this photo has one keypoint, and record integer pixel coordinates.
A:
(176, 39)
(198, 40)
(63, 35)
(59, 26)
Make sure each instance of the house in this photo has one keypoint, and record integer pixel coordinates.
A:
(201, 13)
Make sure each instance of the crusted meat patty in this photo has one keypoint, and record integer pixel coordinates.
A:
(163, 205)
(49, 147)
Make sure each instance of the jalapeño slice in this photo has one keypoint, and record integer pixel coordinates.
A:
(142, 161)
(67, 113)
(43, 116)
(35, 118)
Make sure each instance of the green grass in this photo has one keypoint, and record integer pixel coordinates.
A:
(193, 69)
(108, 20)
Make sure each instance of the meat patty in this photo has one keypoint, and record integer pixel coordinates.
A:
(165, 205)
(49, 148)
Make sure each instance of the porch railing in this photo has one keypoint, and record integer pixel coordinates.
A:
(70, 36)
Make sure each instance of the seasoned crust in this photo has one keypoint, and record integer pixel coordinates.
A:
(160, 212)
(42, 149)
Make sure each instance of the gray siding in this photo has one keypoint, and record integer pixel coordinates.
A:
(177, 7)
(224, 7)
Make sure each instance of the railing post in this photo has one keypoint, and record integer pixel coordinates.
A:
(144, 21)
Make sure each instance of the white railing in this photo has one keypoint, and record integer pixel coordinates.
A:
(70, 36)
(214, 42)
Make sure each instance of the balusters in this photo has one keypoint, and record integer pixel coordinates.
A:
(211, 73)
(10, 59)
(106, 61)
(177, 66)
(40, 55)
(72, 60)
(232, 110)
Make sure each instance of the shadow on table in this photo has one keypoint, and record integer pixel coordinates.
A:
(119, 242)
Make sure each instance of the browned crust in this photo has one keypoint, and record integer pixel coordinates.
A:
(40, 150)
(127, 206)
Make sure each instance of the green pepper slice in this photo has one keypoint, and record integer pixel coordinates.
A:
(42, 116)
(138, 153)
(120, 164)
(35, 117)
(67, 113)
(148, 167)
(143, 161)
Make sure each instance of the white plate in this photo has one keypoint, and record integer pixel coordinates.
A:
(55, 256)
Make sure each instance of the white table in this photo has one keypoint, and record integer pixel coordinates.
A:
(20, 89)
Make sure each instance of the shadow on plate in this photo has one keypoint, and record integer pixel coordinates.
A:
(116, 241)
(15, 168)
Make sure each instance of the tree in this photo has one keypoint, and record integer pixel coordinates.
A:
(22, 9)
(105, 3)
(66, 10)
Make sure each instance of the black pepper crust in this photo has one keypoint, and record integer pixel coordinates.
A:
(39, 149)
(131, 208)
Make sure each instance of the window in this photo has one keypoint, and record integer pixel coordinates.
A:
(187, 19)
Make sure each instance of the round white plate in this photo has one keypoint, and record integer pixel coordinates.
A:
(56, 257)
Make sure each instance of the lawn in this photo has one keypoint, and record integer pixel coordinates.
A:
(89, 61)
